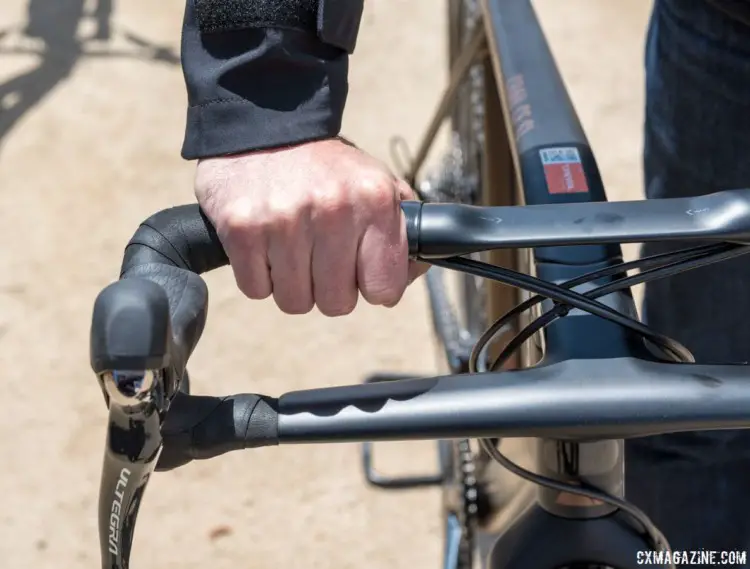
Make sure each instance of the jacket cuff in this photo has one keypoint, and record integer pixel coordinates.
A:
(259, 88)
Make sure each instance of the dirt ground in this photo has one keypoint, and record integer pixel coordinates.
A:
(89, 146)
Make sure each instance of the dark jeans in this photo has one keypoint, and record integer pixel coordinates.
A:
(696, 486)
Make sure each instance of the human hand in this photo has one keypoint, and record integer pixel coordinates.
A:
(313, 224)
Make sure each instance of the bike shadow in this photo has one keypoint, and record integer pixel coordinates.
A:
(51, 29)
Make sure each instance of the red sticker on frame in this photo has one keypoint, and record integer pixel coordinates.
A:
(563, 170)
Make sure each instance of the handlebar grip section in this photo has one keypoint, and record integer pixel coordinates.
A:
(181, 237)
(202, 427)
(139, 325)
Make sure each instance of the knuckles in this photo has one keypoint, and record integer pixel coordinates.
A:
(286, 212)
(240, 221)
(332, 198)
(374, 193)
(378, 189)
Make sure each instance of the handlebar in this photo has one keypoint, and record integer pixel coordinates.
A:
(146, 325)
(575, 399)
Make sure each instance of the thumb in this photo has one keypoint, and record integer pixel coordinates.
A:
(405, 191)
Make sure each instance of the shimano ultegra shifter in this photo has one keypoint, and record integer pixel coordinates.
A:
(130, 353)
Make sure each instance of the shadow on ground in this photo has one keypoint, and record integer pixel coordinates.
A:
(51, 33)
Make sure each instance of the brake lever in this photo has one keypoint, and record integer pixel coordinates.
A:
(137, 402)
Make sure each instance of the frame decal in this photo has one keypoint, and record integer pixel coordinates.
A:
(563, 170)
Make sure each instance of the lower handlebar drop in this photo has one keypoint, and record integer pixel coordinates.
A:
(202, 427)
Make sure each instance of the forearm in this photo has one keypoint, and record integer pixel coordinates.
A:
(252, 87)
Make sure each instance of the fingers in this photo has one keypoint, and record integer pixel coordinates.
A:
(382, 264)
(289, 256)
(245, 244)
(272, 257)
(315, 224)
(334, 255)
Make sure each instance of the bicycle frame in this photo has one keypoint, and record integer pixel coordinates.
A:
(541, 125)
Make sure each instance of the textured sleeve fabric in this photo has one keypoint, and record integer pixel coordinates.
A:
(259, 88)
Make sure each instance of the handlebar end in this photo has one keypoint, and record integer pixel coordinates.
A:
(413, 215)
(130, 328)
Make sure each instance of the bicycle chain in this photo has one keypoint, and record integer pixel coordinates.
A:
(468, 506)
(466, 467)
(476, 73)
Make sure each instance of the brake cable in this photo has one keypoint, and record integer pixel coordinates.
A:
(652, 268)
(646, 263)
(563, 296)
(721, 252)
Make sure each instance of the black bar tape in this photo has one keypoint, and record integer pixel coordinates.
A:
(202, 427)
(335, 22)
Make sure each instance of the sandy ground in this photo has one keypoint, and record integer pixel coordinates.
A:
(96, 150)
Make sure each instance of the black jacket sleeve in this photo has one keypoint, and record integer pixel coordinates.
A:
(258, 88)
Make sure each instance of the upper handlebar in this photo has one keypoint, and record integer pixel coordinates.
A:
(446, 230)
(173, 246)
